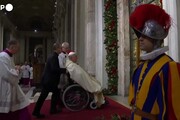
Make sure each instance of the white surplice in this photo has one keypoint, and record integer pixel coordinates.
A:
(12, 97)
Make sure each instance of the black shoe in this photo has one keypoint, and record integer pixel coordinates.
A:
(106, 102)
(38, 115)
(56, 111)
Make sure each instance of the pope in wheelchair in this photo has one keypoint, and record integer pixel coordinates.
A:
(85, 91)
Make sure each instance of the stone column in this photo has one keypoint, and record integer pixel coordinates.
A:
(26, 48)
(178, 27)
(172, 40)
(90, 37)
(75, 26)
(66, 21)
(124, 47)
(100, 48)
(71, 38)
(81, 30)
(59, 20)
(1, 33)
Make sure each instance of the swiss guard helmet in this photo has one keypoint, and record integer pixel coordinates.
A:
(150, 20)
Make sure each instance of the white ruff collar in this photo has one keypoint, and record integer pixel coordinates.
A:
(155, 53)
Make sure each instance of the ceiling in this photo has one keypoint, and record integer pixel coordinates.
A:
(28, 15)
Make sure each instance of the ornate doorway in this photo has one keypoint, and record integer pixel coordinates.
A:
(36, 57)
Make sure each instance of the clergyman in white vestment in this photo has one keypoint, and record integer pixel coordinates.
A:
(86, 81)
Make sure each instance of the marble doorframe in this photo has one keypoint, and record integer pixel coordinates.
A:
(100, 47)
(173, 39)
(124, 47)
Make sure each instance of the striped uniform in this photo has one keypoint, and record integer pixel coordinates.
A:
(155, 88)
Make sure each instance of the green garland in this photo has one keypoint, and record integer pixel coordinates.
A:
(110, 31)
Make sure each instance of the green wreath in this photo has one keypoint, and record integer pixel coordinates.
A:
(110, 31)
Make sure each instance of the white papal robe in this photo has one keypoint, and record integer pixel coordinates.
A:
(12, 97)
(86, 81)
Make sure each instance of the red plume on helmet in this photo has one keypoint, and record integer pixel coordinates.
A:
(146, 12)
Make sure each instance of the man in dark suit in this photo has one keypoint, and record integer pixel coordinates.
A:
(50, 80)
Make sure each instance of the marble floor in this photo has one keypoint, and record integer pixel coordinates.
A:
(33, 98)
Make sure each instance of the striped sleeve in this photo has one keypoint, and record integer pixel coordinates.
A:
(170, 78)
(131, 93)
(174, 91)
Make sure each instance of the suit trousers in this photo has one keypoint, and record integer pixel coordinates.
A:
(44, 93)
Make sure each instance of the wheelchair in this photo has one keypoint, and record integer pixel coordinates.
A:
(75, 98)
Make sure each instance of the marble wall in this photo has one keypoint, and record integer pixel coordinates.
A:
(124, 47)
(173, 39)
(100, 57)
(1, 33)
(80, 31)
(90, 41)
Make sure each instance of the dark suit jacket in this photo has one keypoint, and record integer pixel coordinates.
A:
(52, 71)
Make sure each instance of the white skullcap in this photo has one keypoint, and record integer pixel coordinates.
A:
(71, 54)
(65, 44)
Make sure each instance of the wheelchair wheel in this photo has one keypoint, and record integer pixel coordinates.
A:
(75, 98)
(93, 105)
